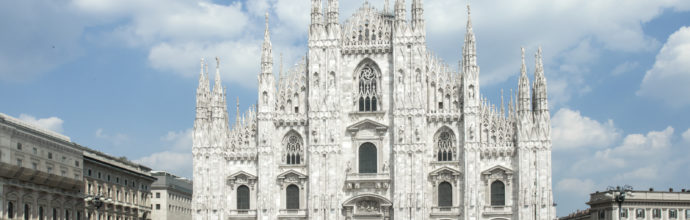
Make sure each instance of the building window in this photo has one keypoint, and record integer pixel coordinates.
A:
(76, 163)
(242, 197)
(498, 193)
(656, 213)
(624, 213)
(34, 166)
(639, 213)
(40, 213)
(367, 158)
(66, 214)
(89, 172)
(78, 215)
(19, 146)
(27, 211)
(293, 149)
(108, 178)
(50, 169)
(19, 162)
(158, 195)
(602, 215)
(10, 210)
(672, 213)
(445, 147)
(99, 175)
(445, 194)
(292, 197)
(158, 206)
(55, 214)
(35, 151)
(368, 89)
(50, 155)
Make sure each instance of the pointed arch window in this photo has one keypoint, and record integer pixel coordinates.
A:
(243, 197)
(498, 193)
(293, 149)
(445, 194)
(368, 89)
(445, 145)
(292, 197)
(367, 158)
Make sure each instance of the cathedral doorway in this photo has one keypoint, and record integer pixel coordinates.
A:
(367, 206)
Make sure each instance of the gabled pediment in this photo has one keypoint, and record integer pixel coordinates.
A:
(292, 174)
(444, 170)
(498, 168)
(367, 124)
(242, 175)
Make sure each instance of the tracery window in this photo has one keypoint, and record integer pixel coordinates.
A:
(368, 89)
(367, 158)
(293, 149)
(292, 197)
(445, 147)
(243, 197)
(498, 193)
(445, 194)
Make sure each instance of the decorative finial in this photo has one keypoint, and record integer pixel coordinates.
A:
(266, 19)
(217, 62)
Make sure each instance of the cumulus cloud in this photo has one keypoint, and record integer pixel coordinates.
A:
(177, 156)
(575, 186)
(50, 123)
(173, 162)
(572, 130)
(114, 139)
(686, 135)
(670, 76)
(624, 68)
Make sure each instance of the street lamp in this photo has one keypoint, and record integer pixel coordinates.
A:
(620, 198)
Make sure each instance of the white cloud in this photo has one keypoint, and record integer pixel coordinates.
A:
(624, 68)
(686, 135)
(174, 162)
(50, 123)
(177, 156)
(115, 139)
(669, 78)
(572, 130)
(180, 140)
(575, 186)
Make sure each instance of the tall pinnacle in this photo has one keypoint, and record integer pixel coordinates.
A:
(470, 47)
(523, 87)
(217, 88)
(237, 112)
(267, 51)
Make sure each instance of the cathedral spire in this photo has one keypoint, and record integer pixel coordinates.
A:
(316, 12)
(418, 14)
(217, 87)
(523, 88)
(470, 47)
(540, 101)
(400, 11)
(267, 51)
(386, 7)
(237, 112)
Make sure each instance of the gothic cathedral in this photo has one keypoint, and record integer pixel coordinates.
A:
(371, 125)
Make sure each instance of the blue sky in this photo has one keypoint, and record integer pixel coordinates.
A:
(120, 75)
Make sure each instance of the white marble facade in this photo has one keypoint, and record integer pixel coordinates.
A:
(371, 125)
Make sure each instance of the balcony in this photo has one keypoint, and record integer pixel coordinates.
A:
(355, 181)
(242, 214)
(498, 210)
(445, 211)
(292, 213)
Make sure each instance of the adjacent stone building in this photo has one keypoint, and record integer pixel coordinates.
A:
(370, 124)
(40, 173)
(171, 197)
(638, 205)
(123, 187)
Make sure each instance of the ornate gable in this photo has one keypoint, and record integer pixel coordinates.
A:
(446, 174)
(292, 177)
(367, 127)
(242, 178)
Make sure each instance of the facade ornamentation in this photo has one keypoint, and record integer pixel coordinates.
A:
(372, 125)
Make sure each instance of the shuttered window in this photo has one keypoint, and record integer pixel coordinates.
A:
(445, 194)
(498, 193)
(243, 197)
(367, 158)
(292, 197)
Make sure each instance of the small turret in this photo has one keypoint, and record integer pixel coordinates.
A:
(539, 100)
(400, 11)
